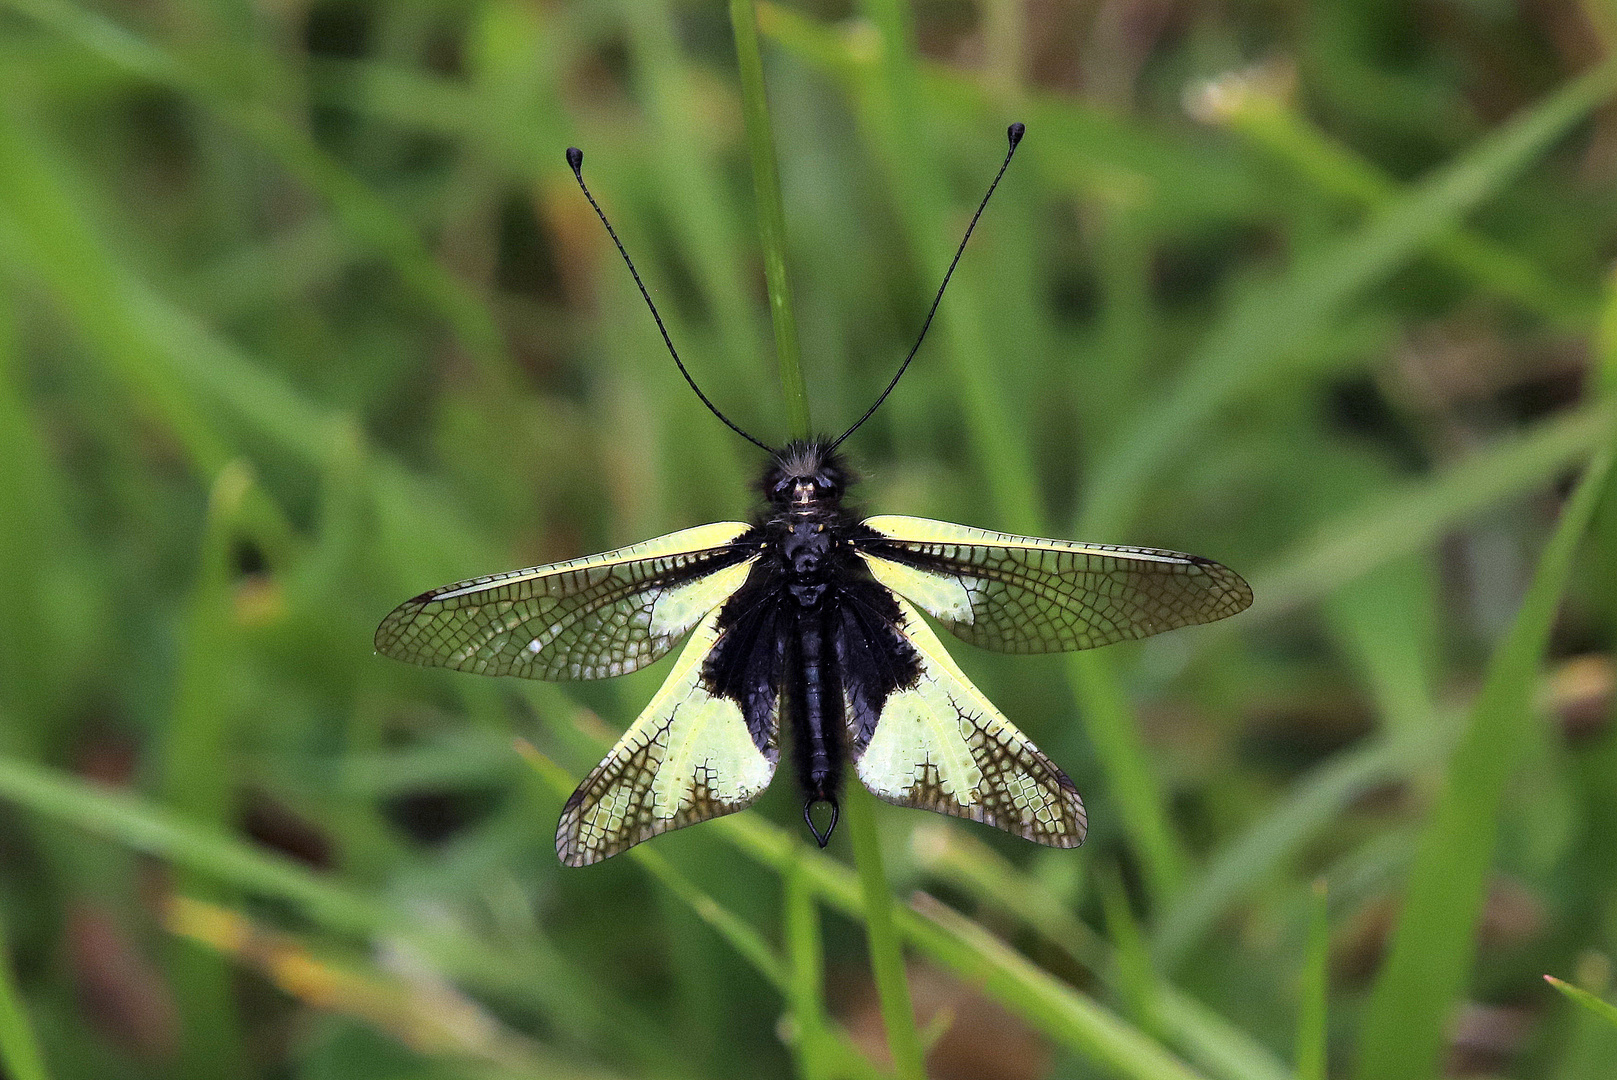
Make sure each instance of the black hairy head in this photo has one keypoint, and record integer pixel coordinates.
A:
(806, 469)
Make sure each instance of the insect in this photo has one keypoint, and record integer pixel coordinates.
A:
(809, 619)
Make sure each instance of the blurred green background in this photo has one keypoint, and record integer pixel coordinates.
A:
(303, 314)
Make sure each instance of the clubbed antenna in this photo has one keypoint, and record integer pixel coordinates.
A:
(575, 158)
(1014, 134)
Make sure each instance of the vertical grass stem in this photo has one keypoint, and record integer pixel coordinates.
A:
(771, 214)
(886, 957)
(1312, 1061)
(19, 1051)
(806, 990)
(1434, 944)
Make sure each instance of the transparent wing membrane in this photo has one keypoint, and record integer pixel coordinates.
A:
(1022, 594)
(689, 757)
(941, 745)
(586, 619)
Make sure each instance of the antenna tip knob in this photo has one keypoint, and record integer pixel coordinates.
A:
(575, 158)
(1014, 133)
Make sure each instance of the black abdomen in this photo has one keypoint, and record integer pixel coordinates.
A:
(780, 644)
(814, 705)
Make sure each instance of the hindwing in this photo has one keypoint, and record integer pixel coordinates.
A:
(1024, 594)
(589, 618)
(690, 756)
(920, 734)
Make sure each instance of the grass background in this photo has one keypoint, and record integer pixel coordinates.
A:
(303, 314)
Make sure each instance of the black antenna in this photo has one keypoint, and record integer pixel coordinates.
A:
(575, 158)
(1014, 133)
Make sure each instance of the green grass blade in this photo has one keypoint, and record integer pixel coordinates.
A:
(1596, 1006)
(1434, 942)
(740, 935)
(197, 785)
(1260, 333)
(1212, 1042)
(1039, 997)
(419, 530)
(19, 1050)
(691, 181)
(1264, 115)
(529, 978)
(806, 986)
(1119, 744)
(1590, 1044)
(33, 530)
(1311, 1015)
(967, 865)
(1605, 373)
(1388, 624)
(1417, 516)
(1086, 150)
(1136, 977)
(771, 215)
(736, 932)
(974, 870)
(1063, 1013)
(366, 215)
(897, 109)
(47, 234)
(432, 1019)
(886, 955)
(1252, 858)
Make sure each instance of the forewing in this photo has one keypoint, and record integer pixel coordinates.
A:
(688, 757)
(584, 619)
(939, 744)
(1024, 594)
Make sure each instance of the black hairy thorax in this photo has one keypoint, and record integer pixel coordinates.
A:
(807, 525)
(811, 630)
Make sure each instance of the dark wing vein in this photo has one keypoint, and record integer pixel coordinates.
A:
(1020, 594)
(940, 745)
(586, 619)
(687, 758)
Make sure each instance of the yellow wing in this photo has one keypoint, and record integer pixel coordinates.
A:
(688, 757)
(1026, 594)
(941, 745)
